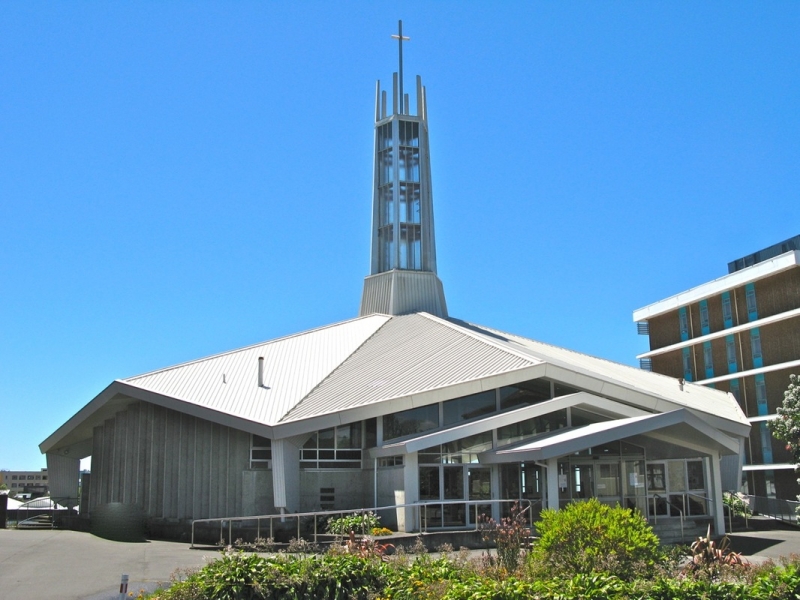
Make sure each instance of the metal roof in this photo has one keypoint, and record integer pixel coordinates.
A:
(408, 355)
(293, 366)
(376, 364)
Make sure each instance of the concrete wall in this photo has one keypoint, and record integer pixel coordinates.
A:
(173, 465)
(352, 489)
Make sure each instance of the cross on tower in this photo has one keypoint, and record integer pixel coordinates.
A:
(399, 37)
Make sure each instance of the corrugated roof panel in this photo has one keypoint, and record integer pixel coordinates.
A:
(293, 366)
(409, 354)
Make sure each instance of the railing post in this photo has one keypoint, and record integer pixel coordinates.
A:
(315, 529)
(271, 535)
(258, 528)
(192, 546)
(221, 525)
(230, 532)
(298, 527)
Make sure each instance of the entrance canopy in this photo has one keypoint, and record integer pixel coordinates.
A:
(676, 427)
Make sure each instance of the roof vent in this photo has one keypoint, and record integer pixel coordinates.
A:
(260, 371)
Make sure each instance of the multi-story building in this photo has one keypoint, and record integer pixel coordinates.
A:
(741, 334)
(26, 482)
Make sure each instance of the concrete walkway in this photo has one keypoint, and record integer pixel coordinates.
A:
(45, 564)
(69, 565)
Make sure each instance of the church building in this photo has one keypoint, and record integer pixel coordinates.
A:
(404, 405)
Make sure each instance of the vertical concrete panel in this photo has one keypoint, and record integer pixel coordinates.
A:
(108, 461)
(157, 465)
(185, 468)
(63, 475)
(120, 441)
(240, 462)
(204, 449)
(147, 465)
(172, 441)
(95, 493)
(131, 452)
(141, 455)
(213, 472)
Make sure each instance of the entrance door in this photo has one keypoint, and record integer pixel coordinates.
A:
(479, 488)
(582, 481)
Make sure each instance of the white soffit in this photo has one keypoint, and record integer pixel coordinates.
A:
(736, 279)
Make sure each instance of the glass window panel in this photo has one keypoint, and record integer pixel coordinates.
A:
(261, 454)
(371, 432)
(510, 480)
(261, 442)
(525, 394)
(677, 476)
(563, 390)
(656, 482)
(453, 478)
(695, 476)
(325, 438)
(312, 441)
(634, 478)
(608, 479)
(408, 422)
(429, 483)
(469, 407)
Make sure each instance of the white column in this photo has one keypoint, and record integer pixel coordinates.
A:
(407, 517)
(552, 483)
(716, 493)
(286, 475)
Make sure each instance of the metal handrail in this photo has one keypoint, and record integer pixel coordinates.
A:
(418, 506)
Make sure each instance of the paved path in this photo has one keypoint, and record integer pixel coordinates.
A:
(69, 565)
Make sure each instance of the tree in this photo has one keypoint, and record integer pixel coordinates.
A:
(787, 426)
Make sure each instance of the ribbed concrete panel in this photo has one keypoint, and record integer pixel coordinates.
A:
(402, 292)
(620, 376)
(63, 473)
(293, 366)
(410, 354)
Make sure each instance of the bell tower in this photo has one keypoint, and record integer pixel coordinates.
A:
(403, 275)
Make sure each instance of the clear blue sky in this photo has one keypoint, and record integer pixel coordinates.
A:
(178, 179)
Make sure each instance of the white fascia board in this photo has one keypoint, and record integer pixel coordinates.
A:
(762, 418)
(769, 467)
(789, 314)
(785, 261)
(751, 372)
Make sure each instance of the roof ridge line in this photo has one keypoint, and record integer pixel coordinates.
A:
(480, 337)
(250, 347)
(337, 367)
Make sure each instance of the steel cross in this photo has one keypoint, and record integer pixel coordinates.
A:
(399, 37)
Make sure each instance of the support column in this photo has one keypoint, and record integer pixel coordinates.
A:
(716, 493)
(286, 475)
(407, 517)
(552, 483)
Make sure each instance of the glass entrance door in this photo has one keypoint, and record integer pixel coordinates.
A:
(479, 488)
(582, 481)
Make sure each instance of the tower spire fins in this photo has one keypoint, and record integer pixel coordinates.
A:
(400, 39)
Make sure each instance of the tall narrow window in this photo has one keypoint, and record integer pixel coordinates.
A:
(761, 395)
(755, 346)
(260, 452)
(687, 364)
(704, 317)
(750, 296)
(684, 323)
(766, 444)
(730, 352)
(727, 313)
(708, 360)
(736, 390)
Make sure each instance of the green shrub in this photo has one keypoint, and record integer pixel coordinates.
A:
(588, 536)
(360, 523)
